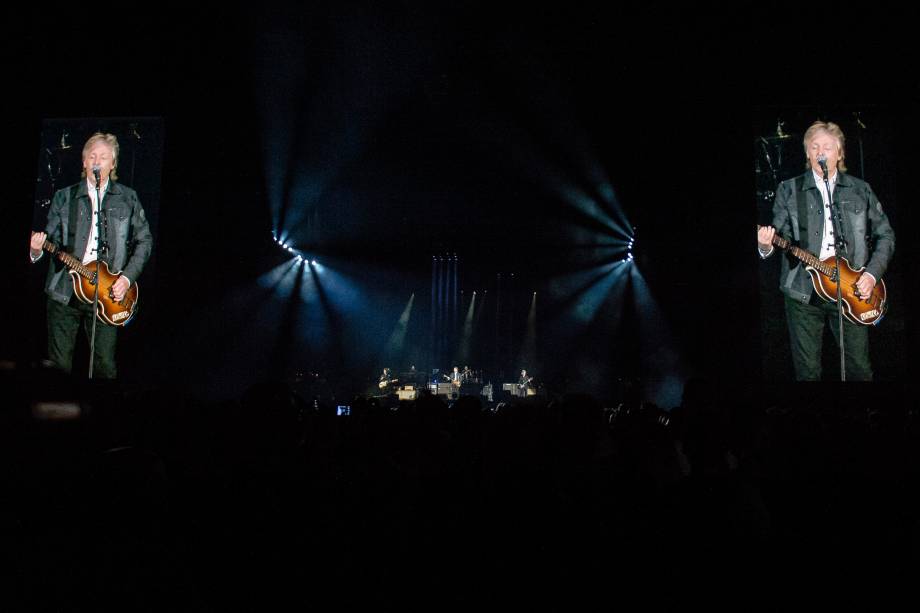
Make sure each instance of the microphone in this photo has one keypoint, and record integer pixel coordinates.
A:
(96, 170)
(822, 161)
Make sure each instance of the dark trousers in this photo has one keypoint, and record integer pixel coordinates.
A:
(64, 321)
(806, 330)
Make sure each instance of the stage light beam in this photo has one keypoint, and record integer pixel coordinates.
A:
(466, 339)
(396, 343)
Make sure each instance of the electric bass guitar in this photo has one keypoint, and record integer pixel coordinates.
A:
(866, 311)
(86, 276)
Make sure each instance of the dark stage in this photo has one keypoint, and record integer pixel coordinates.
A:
(335, 190)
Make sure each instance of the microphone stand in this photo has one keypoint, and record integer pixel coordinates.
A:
(860, 126)
(766, 152)
(100, 245)
(839, 246)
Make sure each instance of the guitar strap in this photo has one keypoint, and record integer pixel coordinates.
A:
(798, 231)
(870, 236)
(803, 210)
(72, 220)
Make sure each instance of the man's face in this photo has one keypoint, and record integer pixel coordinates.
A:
(828, 145)
(102, 155)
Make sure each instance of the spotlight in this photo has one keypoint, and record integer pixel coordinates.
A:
(313, 262)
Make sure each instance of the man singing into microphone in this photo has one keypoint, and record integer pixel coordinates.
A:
(802, 214)
(126, 244)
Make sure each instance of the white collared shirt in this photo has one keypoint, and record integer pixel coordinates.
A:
(827, 239)
(90, 254)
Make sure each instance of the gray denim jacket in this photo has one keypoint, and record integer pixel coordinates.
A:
(129, 238)
(869, 236)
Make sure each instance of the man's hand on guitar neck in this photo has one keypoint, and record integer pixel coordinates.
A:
(765, 239)
(36, 243)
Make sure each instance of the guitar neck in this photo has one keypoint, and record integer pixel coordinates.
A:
(807, 257)
(68, 260)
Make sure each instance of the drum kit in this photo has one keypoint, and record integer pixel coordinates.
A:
(51, 166)
(59, 158)
(777, 156)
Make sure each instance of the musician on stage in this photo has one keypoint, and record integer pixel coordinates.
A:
(525, 382)
(802, 213)
(127, 243)
(385, 380)
(466, 376)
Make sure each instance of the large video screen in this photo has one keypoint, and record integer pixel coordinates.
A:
(797, 160)
(61, 169)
